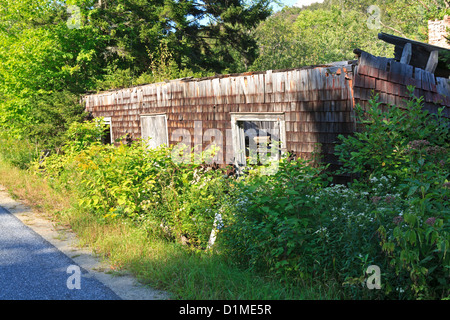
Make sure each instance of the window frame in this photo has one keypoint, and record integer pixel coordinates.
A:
(144, 115)
(107, 121)
(238, 138)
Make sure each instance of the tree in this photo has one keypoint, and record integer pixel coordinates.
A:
(279, 46)
(201, 35)
(406, 18)
(42, 60)
(45, 56)
(295, 38)
(329, 31)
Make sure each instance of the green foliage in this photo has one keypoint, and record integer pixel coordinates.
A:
(44, 59)
(291, 223)
(116, 79)
(406, 18)
(82, 135)
(224, 41)
(269, 221)
(396, 216)
(17, 151)
(53, 114)
(162, 68)
(348, 239)
(173, 201)
(278, 45)
(419, 241)
(314, 37)
(44, 67)
(411, 147)
(202, 37)
(330, 31)
(383, 145)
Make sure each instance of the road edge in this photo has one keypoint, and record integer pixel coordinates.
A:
(122, 283)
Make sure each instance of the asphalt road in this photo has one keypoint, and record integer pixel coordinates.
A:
(31, 268)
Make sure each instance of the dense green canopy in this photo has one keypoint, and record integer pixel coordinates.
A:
(329, 31)
(53, 51)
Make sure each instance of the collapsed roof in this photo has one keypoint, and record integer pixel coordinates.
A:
(419, 54)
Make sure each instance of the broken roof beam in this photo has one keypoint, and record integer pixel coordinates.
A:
(421, 53)
(432, 61)
(399, 41)
(406, 54)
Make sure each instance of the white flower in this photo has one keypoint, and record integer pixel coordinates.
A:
(322, 230)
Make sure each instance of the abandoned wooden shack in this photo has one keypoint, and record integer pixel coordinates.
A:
(304, 109)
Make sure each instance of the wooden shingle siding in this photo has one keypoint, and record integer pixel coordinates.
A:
(390, 79)
(315, 101)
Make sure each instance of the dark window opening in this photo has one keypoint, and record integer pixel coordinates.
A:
(262, 140)
(106, 136)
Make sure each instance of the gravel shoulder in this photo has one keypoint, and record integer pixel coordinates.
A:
(123, 284)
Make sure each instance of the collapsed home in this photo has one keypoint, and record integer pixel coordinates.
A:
(300, 110)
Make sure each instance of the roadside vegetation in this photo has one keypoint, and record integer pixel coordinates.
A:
(309, 239)
(183, 271)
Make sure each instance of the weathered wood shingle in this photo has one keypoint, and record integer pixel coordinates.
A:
(392, 82)
(315, 101)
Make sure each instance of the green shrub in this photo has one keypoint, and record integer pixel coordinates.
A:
(381, 147)
(269, 219)
(396, 216)
(289, 223)
(350, 227)
(411, 147)
(17, 150)
(296, 226)
(169, 199)
(419, 240)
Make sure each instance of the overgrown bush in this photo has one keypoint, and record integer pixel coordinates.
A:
(295, 225)
(396, 216)
(411, 147)
(162, 68)
(26, 136)
(170, 199)
(291, 222)
(17, 150)
(383, 146)
(269, 219)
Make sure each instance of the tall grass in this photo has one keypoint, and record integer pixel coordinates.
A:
(182, 272)
(33, 191)
(19, 152)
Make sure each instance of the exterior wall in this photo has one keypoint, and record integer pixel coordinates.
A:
(390, 79)
(317, 103)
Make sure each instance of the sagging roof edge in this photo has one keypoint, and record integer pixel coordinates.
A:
(332, 66)
(394, 40)
(399, 41)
